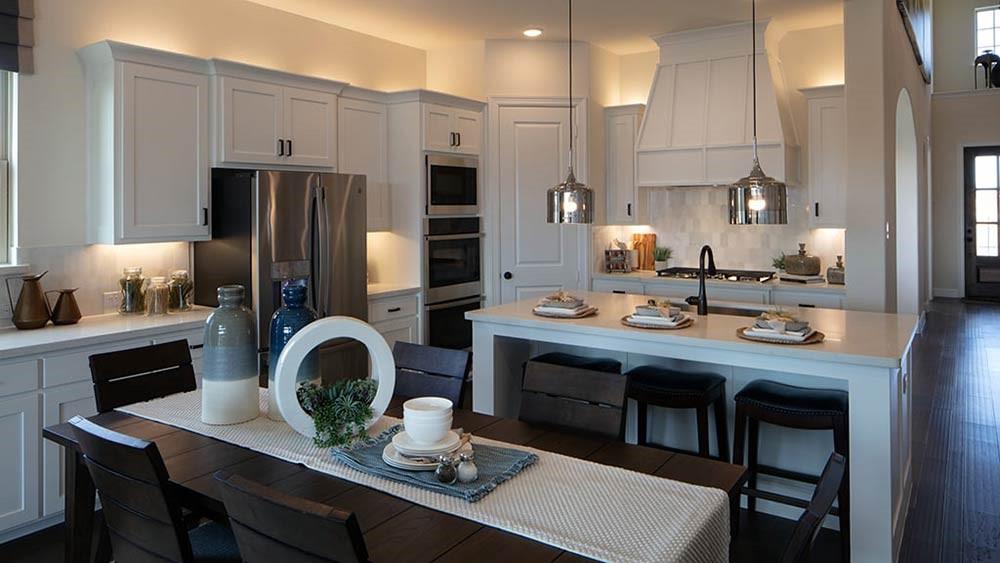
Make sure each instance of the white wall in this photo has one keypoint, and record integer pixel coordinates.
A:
(459, 70)
(954, 44)
(637, 76)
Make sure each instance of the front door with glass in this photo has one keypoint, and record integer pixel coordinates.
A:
(982, 222)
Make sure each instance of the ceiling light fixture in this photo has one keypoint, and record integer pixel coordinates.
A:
(532, 32)
(757, 199)
(570, 201)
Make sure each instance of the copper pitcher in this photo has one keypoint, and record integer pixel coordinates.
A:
(65, 311)
(32, 310)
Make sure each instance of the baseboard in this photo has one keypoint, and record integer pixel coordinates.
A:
(31, 527)
(948, 292)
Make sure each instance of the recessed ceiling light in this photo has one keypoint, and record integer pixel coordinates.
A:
(532, 32)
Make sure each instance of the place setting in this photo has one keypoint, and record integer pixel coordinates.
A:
(778, 327)
(658, 316)
(562, 305)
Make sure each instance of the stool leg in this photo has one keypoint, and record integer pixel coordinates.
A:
(641, 423)
(841, 446)
(721, 427)
(739, 434)
(702, 413)
(752, 441)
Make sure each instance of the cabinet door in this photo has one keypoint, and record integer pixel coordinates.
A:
(807, 298)
(469, 127)
(251, 121)
(613, 286)
(438, 128)
(364, 134)
(310, 128)
(164, 155)
(60, 404)
(20, 436)
(620, 137)
(827, 162)
(404, 330)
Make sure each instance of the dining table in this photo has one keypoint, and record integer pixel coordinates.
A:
(394, 529)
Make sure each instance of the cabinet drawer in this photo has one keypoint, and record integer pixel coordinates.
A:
(75, 366)
(615, 286)
(671, 290)
(392, 308)
(18, 377)
(807, 299)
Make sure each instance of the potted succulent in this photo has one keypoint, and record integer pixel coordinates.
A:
(340, 411)
(778, 262)
(661, 257)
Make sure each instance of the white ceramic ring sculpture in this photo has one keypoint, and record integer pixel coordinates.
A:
(315, 334)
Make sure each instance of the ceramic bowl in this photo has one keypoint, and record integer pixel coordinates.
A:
(427, 408)
(427, 432)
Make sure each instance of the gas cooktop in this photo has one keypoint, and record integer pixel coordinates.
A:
(722, 275)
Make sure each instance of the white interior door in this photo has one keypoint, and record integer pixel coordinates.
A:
(536, 256)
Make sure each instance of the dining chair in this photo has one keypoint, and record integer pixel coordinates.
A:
(131, 376)
(272, 526)
(573, 398)
(809, 524)
(430, 371)
(142, 514)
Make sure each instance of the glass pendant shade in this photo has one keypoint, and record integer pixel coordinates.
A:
(758, 199)
(570, 202)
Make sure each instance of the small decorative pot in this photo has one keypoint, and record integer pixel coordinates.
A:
(286, 321)
(229, 382)
(660, 264)
(802, 264)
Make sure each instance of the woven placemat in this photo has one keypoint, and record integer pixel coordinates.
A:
(683, 324)
(814, 338)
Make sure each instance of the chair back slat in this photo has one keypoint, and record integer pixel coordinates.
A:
(139, 374)
(272, 526)
(799, 546)
(430, 371)
(143, 518)
(574, 398)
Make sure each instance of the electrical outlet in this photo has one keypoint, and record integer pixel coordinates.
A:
(112, 300)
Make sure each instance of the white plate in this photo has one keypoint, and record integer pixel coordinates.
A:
(392, 458)
(405, 445)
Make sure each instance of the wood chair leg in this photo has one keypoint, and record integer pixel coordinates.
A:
(79, 516)
(721, 427)
(702, 414)
(752, 442)
(641, 423)
(841, 445)
(739, 435)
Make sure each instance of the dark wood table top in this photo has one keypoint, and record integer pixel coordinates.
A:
(396, 529)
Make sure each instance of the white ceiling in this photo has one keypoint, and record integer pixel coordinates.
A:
(621, 26)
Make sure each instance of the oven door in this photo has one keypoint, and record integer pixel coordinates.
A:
(446, 326)
(452, 267)
(452, 185)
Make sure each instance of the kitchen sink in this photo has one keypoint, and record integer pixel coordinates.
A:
(722, 310)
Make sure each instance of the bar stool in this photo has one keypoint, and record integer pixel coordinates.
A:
(606, 365)
(661, 387)
(792, 407)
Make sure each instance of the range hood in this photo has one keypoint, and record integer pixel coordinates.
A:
(698, 126)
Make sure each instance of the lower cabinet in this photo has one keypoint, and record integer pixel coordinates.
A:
(821, 298)
(20, 434)
(396, 318)
(60, 404)
(793, 298)
(406, 330)
(615, 286)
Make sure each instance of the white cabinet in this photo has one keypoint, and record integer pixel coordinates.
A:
(20, 434)
(261, 122)
(405, 330)
(807, 298)
(827, 156)
(364, 149)
(621, 126)
(452, 129)
(396, 317)
(60, 404)
(148, 145)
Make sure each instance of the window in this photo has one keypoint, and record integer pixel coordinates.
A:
(987, 207)
(6, 114)
(988, 29)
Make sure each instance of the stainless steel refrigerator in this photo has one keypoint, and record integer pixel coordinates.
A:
(271, 226)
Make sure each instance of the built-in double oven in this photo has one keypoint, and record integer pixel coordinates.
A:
(453, 282)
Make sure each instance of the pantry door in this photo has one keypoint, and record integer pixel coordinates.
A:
(536, 257)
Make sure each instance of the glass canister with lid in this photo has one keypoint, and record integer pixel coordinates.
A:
(133, 291)
(157, 296)
(181, 291)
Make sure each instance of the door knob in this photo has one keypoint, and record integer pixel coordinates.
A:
(507, 275)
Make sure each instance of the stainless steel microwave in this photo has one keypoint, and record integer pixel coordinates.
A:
(452, 185)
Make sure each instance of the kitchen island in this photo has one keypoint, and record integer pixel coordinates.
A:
(866, 354)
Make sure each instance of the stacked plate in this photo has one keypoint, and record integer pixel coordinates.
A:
(563, 305)
(404, 453)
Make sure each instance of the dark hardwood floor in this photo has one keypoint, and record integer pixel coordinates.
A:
(955, 507)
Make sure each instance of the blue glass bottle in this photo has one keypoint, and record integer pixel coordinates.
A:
(286, 321)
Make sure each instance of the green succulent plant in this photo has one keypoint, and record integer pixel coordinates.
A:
(778, 263)
(662, 253)
(339, 411)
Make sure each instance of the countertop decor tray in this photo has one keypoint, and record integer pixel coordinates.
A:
(683, 324)
(815, 338)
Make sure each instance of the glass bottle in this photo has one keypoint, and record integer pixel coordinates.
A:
(229, 378)
(133, 290)
(286, 321)
(157, 296)
(181, 291)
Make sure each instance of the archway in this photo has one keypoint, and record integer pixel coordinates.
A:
(907, 209)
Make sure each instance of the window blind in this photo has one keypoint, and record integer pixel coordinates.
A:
(16, 35)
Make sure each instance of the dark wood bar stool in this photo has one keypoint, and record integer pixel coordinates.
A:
(574, 392)
(791, 407)
(666, 388)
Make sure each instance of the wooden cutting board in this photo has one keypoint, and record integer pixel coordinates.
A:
(644, 245)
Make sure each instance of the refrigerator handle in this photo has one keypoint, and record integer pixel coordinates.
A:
(323, 253)
(313, 236)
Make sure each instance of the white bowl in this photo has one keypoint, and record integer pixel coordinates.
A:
(427, 407)
(427, 432)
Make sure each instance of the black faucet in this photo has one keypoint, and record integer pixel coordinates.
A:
(702, 300)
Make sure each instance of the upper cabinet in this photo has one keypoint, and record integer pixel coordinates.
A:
(448, 129)
(275, 118)
(148, 145)
(364, 149)
(621, 126)
(827, 156)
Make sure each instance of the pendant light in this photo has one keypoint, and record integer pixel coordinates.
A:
(570, 201)
(757, 199)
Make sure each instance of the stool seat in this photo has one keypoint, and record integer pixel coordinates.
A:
(606, 365)
(796, 401)
(653, 379)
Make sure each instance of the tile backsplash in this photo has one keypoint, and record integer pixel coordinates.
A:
(684, 219)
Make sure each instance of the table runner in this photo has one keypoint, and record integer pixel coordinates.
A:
(597, 511)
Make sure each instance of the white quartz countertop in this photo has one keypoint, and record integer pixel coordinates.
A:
(645, 276)
(97, 329)
(383, 290)
(855, 337)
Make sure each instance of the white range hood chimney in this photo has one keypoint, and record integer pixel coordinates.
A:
(698, 125)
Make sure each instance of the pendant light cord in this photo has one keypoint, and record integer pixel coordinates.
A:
(569, 90)
(753, 55)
